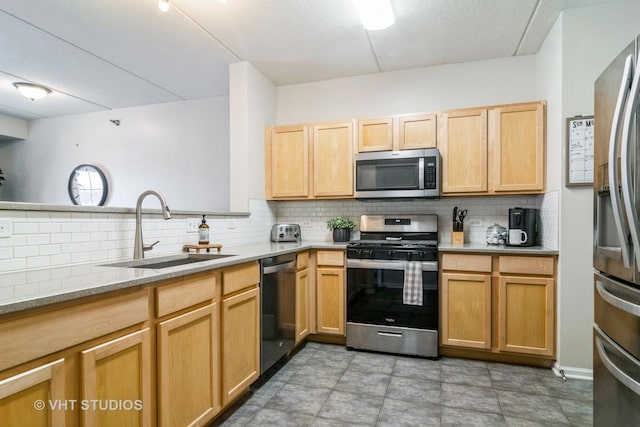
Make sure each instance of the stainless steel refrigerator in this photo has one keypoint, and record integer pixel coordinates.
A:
(616, 251)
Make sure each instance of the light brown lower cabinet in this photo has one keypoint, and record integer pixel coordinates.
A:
(302, 305)
(240, 321)
(466, 310)
(25, 398)
(330, 292)
(527, 306)
(188, 378)
(499, 304)
(117, 374)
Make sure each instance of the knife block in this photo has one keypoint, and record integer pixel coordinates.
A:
(457, 238)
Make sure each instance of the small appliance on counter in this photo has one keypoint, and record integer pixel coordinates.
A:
(496, 235)
(286, 233)
(524, 225)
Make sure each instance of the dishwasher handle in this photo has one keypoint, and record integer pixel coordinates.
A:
(278, 267)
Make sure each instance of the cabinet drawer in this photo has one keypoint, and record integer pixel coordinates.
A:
(464, 262)
(31, 337)
(331, 258)
(302, 260)
(184, 293)
(243, 276)
(542, 266)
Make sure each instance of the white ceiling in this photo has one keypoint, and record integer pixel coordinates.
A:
(104, 54)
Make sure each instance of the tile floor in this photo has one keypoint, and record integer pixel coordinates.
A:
(326, 385)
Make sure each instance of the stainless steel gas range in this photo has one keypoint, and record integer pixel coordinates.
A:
(392, 285)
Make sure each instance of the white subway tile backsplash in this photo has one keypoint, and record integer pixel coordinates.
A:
(65, 238)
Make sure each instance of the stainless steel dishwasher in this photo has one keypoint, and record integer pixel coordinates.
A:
(278, 308)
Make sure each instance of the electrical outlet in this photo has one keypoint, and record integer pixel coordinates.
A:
(6, 228)
(192, 225)
(231, 224)
(306, 223)
(475, 222)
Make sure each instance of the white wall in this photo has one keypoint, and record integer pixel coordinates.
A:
(180, 149)
(472, 84)
(252, 108)
(581, 44)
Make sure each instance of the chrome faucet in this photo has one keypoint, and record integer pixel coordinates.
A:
(139, 247)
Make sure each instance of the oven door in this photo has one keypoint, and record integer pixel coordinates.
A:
(374, 294)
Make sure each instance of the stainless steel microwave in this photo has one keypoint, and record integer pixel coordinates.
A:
(397, 174)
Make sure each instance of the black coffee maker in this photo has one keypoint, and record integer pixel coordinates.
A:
(524, 225)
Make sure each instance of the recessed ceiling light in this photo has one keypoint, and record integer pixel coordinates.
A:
(32, 91)
(163, 5)
(375, 14)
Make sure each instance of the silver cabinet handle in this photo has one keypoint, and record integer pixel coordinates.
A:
(627, 179)
(390, 334)
(613, 162)
(278, 267)
(383, 264)
(622, 304)
(618, 373)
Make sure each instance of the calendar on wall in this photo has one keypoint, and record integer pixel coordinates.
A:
(580, 144)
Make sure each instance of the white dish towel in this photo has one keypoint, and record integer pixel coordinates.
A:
(412, 291)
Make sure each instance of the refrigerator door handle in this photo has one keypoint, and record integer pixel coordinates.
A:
(622, 304)
(614, 193)
(626, 153)
(618, 373)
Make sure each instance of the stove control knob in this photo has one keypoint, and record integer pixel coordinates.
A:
(370, 253)
(390, 254)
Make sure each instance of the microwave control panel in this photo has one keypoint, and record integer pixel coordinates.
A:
(430, 173)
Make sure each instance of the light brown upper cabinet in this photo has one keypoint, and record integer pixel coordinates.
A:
(417, 131)
(463, 148)
(333, 159)
(310, 161)
(403, 132)
(375, 134)
(287, 162)
(494, 150)
(519, 148)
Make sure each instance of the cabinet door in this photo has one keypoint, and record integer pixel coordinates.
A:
(417, 131)
(287, 162)
(119, 369)
(330, 300)
(519, 148)
(240, 343)
(188, 363)
(302, 305)
(466, 310)
(527, 315)
(463, 148)
(375, 134)
(41, 387)
(333, 159)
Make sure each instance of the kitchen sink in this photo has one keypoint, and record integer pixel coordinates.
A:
(168, 261)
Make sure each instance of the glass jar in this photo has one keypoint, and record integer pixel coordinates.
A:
(496, 235)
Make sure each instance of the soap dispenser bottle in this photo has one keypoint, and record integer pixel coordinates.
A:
(203, 232)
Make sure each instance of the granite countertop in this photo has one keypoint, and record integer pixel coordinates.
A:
(21, 290)
(497, 249)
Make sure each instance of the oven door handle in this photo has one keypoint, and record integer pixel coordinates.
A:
(382, 264)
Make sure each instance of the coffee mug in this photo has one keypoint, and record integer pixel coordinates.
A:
(517, 237)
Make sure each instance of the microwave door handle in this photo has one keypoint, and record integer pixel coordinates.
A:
(627, 149)
(614, 193)
(421, 173)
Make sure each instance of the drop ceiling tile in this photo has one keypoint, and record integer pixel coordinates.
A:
(165, 49)
(290, 41)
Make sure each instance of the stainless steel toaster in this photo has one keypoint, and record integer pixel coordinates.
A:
(286, 233)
